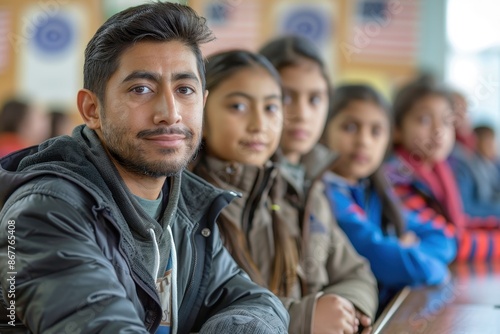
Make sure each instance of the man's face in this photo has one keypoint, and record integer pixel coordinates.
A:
(151, 117)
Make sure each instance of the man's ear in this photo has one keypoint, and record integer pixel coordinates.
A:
(88, 106)
(204, 127)
(205, 98)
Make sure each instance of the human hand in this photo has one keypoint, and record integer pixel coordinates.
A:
(335, 315)
(364, 321)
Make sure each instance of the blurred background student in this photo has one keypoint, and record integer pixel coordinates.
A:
(307, 90)
(424, 136)
(60, 122)
(488, 165)
(477, 178)
(404, 249)
(21, 125)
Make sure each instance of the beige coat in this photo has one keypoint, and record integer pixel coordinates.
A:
(329, 264)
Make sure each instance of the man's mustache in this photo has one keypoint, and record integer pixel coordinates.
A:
(171, 130)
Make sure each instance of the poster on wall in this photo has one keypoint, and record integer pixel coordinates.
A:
(383, 32)
(5, 30)
(49, 49)
(111, 7)
(313, 20)
(235, 23)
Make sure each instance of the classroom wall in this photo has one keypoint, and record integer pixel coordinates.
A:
(384, 42)
(42, 48)
(362, 40)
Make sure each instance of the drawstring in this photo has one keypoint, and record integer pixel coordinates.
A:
(174, 280)
(157, 254)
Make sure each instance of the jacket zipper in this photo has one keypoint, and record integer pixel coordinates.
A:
(141, 283)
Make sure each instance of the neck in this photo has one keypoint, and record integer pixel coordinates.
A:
(349, 180)
(293, 157)
(141, 185)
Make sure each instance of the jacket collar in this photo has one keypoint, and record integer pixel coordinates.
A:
(242, 180)
(233, 175)
(319, 160)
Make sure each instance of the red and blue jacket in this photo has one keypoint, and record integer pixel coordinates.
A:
(358, 210)
(478, 240)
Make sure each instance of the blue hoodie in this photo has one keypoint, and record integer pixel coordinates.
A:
(358, 210)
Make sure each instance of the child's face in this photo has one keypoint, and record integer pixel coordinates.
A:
(244, 119)
(486, 145)
(306, 106)
(360, 134)
(427, 130)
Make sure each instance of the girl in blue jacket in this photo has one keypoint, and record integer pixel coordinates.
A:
(403, 249)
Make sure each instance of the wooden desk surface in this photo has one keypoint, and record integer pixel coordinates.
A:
(468, 303)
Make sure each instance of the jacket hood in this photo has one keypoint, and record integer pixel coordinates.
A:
(60, 156)
(68, 157)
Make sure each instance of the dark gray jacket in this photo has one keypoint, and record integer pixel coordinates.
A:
(77, 265)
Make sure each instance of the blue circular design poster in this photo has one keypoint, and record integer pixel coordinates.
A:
(307, 22)
(54, 35)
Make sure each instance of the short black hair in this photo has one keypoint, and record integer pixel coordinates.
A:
(484, 129)
(158, 21)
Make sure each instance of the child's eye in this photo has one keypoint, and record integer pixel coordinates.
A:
(272, 108)
(425, 119)
(377, 131)
(315, 100)
(238, 107)
(350, 127)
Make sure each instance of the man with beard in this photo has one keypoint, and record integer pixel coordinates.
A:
(104, 231)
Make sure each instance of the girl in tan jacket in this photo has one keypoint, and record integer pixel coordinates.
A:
(300, 256)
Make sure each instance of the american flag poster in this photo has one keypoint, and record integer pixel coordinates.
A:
(5, 30)
(235, 23)
(383, 32)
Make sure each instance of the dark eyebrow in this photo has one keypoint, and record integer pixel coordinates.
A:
(241, 94)
(185, 75)
(249, 97)
(312, 91)
(357, 120)
(150, 76)
(142, 75)
(273, 96)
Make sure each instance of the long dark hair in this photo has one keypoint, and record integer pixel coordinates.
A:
(220, 67)
(413, 92)
(391, 209)
(292, 50)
